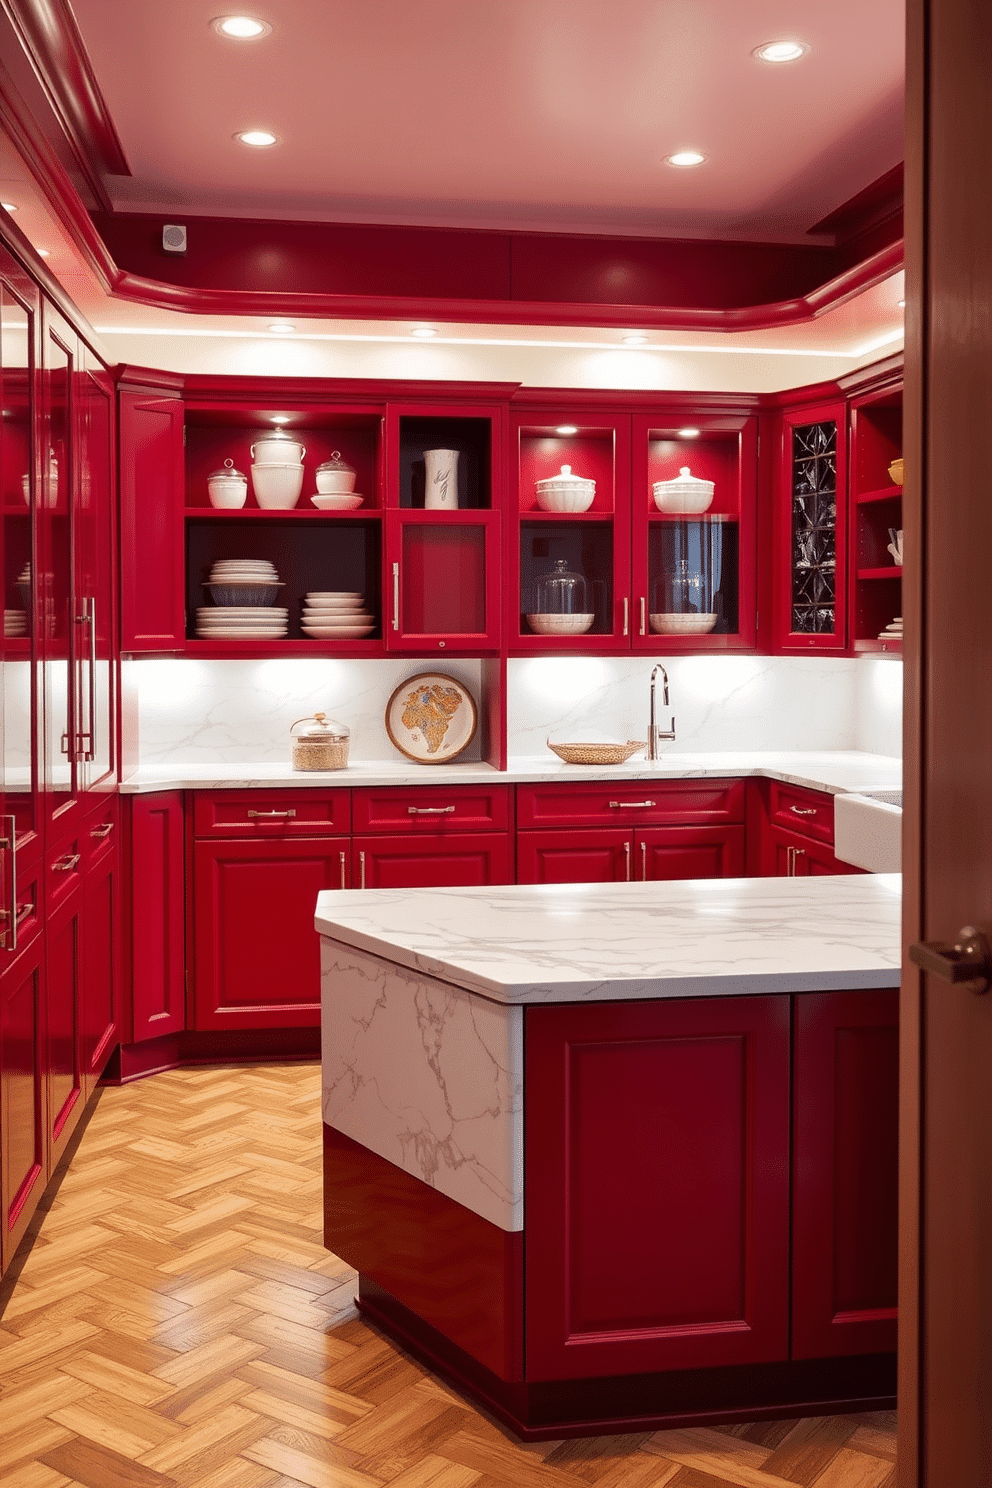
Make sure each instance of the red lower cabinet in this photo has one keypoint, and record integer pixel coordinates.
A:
(256, 956)
(845, 1210)
(23, 1058)
(431, 860)
(157, 919)
(790, 855)
(100, 1030)
(657, 1186)
(64, 986)
(616, 855)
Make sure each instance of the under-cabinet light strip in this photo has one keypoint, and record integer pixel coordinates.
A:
(354, 336)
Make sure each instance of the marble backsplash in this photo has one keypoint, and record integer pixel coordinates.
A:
(231, 712)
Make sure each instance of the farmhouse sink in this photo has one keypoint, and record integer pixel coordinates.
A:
(868, 830)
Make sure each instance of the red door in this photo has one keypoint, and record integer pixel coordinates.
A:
(657, 1185)
(152, 489)
(256, 953)
(101, 964)
(597, 856)
(64, 1005)
(23, 1061)
(845, 1173)
(441, 860)
(689, 852)
(157, 919)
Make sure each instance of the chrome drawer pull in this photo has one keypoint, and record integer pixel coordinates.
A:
(269, 815)
(429, 810)
(626, 616)
(644, 623)
(66, 864)
(803, 810)
(626, 853)
(630, 805)
(103, 831)
(644, 862)
(342, 857)
(361, 864)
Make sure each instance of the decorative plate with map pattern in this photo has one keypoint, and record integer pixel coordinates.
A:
(431, 718)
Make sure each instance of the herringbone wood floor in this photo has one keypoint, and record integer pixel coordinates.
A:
(178, 1322)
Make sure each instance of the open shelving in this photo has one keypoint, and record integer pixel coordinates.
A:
(876, 580)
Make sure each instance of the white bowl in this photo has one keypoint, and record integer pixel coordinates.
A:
(335, 606)
(669, 624)
(260, 594)
(334, 594)
(336, 500)
(565, 492)
(686, 494)
(560, 624)
(277, 486)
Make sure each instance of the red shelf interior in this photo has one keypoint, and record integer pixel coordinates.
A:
(891, 493)
(210, 441)
(894, 571)
(714, 457)
(877, 440)
(590, 453)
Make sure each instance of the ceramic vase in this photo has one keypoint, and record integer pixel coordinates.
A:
(441, 485)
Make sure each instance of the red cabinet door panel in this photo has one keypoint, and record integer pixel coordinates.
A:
(575, 857)
(791, 855)
(642, 803)
(152, 558)
(689, 852)
(278, 813)
(422, 808)
(63, 986)
(158, 915)
(436, 861)
(657, 1190)
(845, 1168)
(257, 957)
(806, 811)
(23, 1058)
(100, 1030)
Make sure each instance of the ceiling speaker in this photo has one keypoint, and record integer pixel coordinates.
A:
(174, 238)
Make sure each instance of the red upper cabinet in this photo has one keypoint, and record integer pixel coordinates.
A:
(568, 578)
(152, 562)
(810, 530)
(445, 479)
(694, 572)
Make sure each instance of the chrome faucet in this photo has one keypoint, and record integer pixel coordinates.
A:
(655, 732)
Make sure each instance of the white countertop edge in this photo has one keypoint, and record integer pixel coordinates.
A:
(833, 771)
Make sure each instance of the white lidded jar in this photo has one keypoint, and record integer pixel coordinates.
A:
(323, 747)
(565, 492)
(227, 488)
(685, 494)
(276, 447)
(335, 475)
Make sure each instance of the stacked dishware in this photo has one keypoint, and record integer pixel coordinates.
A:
(336, 615)
(15, 623)
(893, 631)
(23, 586)
(277, 471)
(336, 485)
(243, 591)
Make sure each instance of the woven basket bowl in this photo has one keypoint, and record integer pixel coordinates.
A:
(595, 754)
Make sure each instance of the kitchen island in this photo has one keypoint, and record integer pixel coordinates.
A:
(620, 1156)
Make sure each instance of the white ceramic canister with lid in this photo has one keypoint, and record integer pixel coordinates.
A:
(276, 447)
(336, 476)
(227, 488)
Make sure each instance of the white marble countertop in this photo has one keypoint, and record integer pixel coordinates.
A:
(600, 942)
(835, 771)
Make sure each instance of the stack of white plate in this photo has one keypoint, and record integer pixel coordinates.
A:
(336, 615)
(15, 623)
(893, 631)
(234, 622)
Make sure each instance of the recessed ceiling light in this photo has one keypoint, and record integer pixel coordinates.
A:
(636, 339)
(9, 206)
(282, 328)
(688, 433)
(279, 418)
(902, 304)
(781, 51)
(685, 157)
(240, 27)
(567, 429)
(424, 333)
(44, 252)
(259, 138)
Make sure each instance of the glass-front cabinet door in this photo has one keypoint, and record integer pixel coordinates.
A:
(20, 799)
(693, 562)
(93, 545)
(570, 531)
(443, 479)
(810, 530)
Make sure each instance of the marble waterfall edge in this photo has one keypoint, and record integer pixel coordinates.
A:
(427, 1076)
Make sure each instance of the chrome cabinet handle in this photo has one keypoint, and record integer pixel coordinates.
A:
(644, 615)
(269, 815)
(630, 805)
(644, 862)
(967, 962)
(626, 615)
(396, 596)
(803, 810)
(343, 859)
(429, 810)
(88, 751)
(361, 864)
(626, 854)
(66, 864)
(103, 831)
